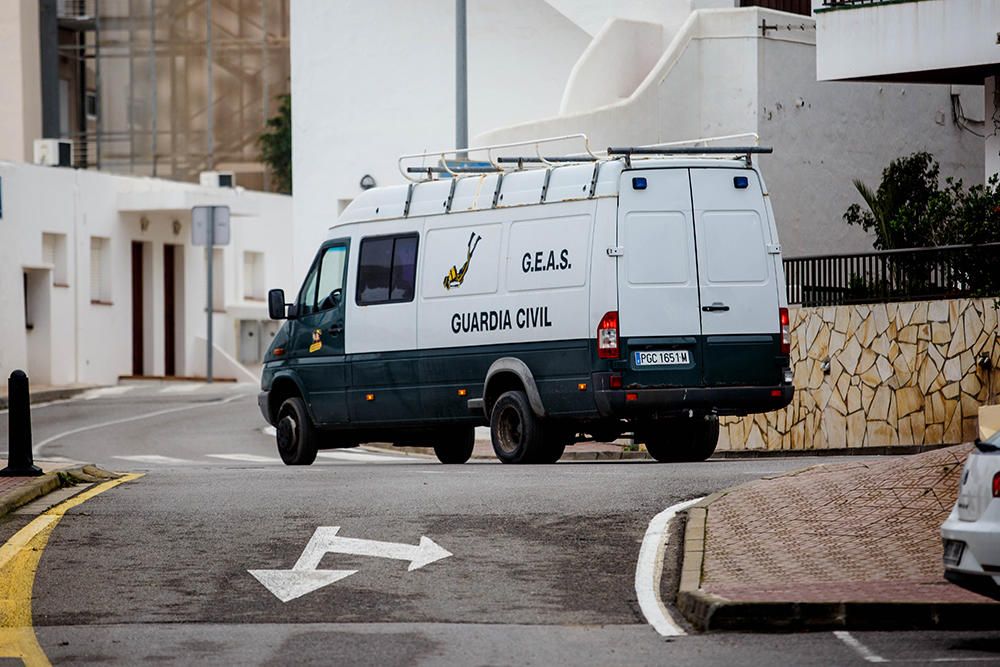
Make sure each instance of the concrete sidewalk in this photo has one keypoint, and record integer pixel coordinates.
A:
(18, 491)
(851, 545)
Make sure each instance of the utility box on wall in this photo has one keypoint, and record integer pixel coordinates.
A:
(255, 337)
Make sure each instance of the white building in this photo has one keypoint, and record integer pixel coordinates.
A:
(98, 277)
(373, 80)
(950, 42)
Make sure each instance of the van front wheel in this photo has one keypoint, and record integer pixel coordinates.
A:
(514, 429)
(295, 433)
(456, 445)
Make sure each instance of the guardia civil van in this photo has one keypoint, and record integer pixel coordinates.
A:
(554, 299)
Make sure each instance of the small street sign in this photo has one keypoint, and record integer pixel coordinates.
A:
(210, 222)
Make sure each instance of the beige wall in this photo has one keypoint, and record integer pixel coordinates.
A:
(899, 374)
(20, 86)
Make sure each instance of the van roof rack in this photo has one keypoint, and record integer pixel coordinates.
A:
(456, 162)
(745, 151)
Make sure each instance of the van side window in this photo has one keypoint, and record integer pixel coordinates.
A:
(323, 287)
(387, 270)
(329, 293)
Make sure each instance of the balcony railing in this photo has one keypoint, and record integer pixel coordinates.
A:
(914, 274)
(841, 4)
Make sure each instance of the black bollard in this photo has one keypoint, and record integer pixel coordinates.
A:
(19, 459)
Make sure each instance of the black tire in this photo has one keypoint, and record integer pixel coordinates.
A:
(296, 435)
(516, 432)
(456, 445)
(682, 440)
(551, 452)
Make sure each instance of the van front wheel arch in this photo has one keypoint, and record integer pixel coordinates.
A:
(515, 430)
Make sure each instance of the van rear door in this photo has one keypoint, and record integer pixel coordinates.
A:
(736, 278)
(658, 301)
(697, 290)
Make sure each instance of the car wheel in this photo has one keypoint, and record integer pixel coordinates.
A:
(295, 433)
(456, 445)
(514, 429)
(681, 440)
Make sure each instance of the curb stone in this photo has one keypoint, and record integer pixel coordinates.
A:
(49, 482)
(570, 455)
(707, 611)
(567, 456)
(47, 395)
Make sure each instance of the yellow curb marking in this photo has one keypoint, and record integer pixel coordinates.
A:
(19, 559)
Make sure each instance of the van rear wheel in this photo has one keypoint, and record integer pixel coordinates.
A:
(682, 440)
(295, 433)
(516, 432)
(456, 445)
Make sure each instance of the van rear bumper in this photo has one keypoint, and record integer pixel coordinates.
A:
(664, 401)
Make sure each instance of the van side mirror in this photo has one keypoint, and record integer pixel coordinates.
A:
(276, 309)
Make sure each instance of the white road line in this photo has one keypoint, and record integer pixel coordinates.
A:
(649, 569)
(155, 459)
(246, 458)
(102, 392)
(360, 457)
(114, 422)
(269, 431)
(866, 653)
(182, 388)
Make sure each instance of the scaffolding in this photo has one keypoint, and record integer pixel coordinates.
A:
(171, 88)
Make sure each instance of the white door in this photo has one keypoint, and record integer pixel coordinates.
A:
(657, 272)
(739, 293)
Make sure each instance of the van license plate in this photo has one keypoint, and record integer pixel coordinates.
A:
(662, 358)
(953, 552)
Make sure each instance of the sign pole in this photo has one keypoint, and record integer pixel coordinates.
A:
(209, 256)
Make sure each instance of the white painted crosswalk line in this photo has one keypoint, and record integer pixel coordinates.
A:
(182, 388)
(363, 457)
(245, 458)
(155, 459)
(102, 392)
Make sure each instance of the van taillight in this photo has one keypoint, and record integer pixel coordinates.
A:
(607, 336)
(786, 336)
(996, 485)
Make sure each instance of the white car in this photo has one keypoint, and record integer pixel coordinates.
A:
(972, 532)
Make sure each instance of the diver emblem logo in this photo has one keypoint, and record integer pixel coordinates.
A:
(456, 276)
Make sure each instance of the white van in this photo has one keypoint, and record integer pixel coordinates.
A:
(557, 300)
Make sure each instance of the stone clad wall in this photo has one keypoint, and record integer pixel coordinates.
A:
(899, 374)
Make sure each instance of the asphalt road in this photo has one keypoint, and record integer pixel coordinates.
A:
(541, 571)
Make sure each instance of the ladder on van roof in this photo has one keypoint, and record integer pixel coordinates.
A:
(460, 164)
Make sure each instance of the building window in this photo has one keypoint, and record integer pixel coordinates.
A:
(254, 280)
(54, 254)
(387, 270)
(100, 270)
(218, 280)
(90, 104)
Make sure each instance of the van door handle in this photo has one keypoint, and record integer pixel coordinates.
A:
(336, 330)
(715, 308)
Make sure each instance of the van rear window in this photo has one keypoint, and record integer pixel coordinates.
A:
(387, 269)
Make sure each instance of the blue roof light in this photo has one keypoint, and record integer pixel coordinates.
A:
(741, 182)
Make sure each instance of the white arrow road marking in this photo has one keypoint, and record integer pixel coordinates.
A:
(325, 540)
(304, 577)
(290, 584)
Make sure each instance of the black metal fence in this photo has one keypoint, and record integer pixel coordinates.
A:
(914, 274)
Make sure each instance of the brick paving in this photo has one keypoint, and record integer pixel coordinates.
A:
(851, 532)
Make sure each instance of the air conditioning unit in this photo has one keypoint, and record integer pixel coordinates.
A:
(218, 179)
(54, 152)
